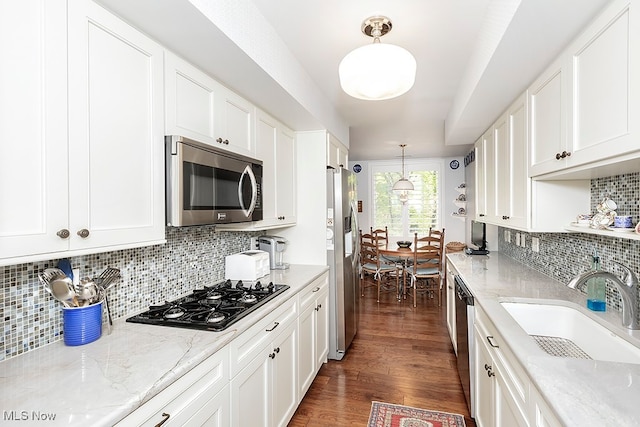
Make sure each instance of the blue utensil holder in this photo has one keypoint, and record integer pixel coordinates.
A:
(82, 325)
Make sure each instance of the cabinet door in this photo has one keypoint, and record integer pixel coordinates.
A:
(481, 205)
(484, 386)
(488, 180)
(190, 100)
(322, 326)
(605, 102)
(507, 413)
(306, 349)
(33, 108)
(451, 307)
(286, 176)
(266, 138)
(502, 171)
(519, 194)
(116, 132)
(547, 119)
(234, 122)
(284, 379)
(251, 393)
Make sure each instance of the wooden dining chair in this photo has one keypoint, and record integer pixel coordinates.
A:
(371, 264)
(381, 233)
(425, 274)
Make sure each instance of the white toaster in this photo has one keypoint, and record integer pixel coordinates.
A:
(248, 265)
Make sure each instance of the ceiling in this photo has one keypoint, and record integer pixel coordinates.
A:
(482, 52)
(473, 57)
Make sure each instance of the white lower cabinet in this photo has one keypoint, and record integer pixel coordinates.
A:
(314, 328)
(200, 397)
(267, 368)
(501, 386)
(451, 305)
(505, 396)
(264, 370)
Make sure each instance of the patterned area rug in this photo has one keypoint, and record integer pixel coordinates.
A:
(389, 415)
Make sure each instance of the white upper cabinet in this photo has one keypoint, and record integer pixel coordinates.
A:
(199, 107)
(276, 148)
(605, 95)
(92, 132)
(547, 109)
(583, 108)
(337, 153)
(33, 125)
(116, 168)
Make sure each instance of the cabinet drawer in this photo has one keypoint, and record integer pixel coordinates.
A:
(248, 345)
(205, 380)
(309, 295)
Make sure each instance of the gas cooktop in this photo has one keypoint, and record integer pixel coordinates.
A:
(213, 308)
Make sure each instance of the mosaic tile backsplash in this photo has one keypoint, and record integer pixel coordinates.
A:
(192, 256)
(562, 256)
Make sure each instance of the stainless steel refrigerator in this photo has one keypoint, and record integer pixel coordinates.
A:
(343, 248)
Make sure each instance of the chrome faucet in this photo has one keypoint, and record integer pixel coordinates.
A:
(628, 291)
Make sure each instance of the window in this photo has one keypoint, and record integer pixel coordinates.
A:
(422, 207)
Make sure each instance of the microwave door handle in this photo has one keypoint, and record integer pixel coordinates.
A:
(254, 191)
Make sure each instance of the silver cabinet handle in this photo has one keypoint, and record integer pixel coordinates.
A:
(63, 234)
(84, 233)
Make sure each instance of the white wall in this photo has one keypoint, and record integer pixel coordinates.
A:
(307, 240)
(450, 179)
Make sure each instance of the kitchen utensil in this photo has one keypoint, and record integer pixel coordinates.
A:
(48, 276)
(65, 265)
(62, 290)
(88, 290)
(105, 281)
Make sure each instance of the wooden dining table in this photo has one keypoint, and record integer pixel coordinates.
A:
(392, 252)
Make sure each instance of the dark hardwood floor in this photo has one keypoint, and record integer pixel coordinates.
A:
(400, 355)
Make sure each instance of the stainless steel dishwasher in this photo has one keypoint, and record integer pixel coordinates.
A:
(466, 349)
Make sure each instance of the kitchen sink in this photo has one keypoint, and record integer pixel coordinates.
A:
(564, 331)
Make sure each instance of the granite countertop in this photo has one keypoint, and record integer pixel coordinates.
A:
(580, 392)
(100, 383)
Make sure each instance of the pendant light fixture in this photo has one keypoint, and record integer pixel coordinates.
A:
(377, 71)
(403, 184)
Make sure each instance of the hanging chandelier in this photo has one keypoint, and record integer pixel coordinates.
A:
(403, 184)
(377, 71)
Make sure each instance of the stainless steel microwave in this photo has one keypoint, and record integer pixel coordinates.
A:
(207, 185)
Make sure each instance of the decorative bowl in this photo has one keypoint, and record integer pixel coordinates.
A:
(404, 244)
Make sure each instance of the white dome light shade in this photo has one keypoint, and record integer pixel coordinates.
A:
(403, 184)
(377, 71)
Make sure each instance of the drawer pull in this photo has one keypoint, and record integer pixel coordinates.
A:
(274, 326)
(316, 289)
(63, 234)
(84, 233)
(166, 417)
(490, 339)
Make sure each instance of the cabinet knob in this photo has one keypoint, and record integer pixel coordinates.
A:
(84, 233)
(276, 350)
(219, 140)
(480, 214)
(505, 217)
(63, 234)
(558, 156)
(490, 373)
(166, 417)
(226, 142)
(563, 155)
(566, 153)
(272, 355)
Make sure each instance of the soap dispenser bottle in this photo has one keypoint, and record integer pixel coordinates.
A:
(596, 288)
